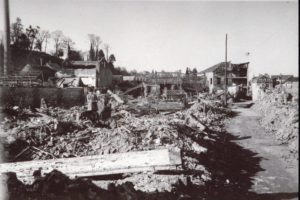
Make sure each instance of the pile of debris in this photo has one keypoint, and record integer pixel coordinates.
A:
(60, 133)
(56, 185)
(280, 116)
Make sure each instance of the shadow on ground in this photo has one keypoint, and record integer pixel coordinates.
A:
(232, 168)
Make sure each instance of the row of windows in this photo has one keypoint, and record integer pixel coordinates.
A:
(218, 81)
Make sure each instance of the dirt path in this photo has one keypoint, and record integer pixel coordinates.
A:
(275, 177)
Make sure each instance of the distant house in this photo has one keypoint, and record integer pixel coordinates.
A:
(259, 84)
(292, 82)
(237, 74)
(91, 73)
(277, 79)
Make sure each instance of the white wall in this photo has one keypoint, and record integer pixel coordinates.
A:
(209, 76)
(257, 93)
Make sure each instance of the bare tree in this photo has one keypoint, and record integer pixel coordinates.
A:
(95, 42)
(98, 41)
(68, 44)
(58, 38)
(92, 39)
(106, 48)
(32, 33)
(42, 37)
(47, 36)
(16, 30)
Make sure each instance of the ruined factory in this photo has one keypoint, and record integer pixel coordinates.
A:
(174, 109)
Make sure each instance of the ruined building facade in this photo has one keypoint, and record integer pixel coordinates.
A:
(237, 74)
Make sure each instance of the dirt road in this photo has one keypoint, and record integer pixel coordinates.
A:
(274, 178)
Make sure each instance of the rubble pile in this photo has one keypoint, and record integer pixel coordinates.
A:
(57, 132)
(60, 133)
(56, 185)
(280, 117)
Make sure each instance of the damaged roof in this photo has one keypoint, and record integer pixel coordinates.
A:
(292, 79)
(221, 64)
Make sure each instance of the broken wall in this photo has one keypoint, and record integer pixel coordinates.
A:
(25, 97)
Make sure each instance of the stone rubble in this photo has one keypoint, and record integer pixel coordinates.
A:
(60, 133)
(281, 118)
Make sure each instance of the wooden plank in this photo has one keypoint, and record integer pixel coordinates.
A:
(161, 159)
(116, 97)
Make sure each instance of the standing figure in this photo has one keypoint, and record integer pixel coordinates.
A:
(43, 104)
(145, 89)
(94, 101)
(165, 93)
(100, 102)
(89, 99)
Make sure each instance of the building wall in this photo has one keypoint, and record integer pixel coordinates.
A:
(62, 97)
(257, 92)
(218, 81)
(91, 74)
(210, 81)
(85, 72)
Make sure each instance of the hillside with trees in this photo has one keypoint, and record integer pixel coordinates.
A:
(31, 45)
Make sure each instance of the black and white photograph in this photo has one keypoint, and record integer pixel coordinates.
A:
(149, 100)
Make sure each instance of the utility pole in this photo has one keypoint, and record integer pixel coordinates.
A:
(225, 70)
(6, 36)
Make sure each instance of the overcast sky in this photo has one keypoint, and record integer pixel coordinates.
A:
(175, 35)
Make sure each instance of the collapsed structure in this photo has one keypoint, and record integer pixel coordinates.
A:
(259, 84)
(237, 74)
(85, 73)
(53, 133)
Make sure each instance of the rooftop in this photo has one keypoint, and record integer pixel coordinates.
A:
(221, 64)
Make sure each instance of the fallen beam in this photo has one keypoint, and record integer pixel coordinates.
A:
(141, 161)
(116, 97)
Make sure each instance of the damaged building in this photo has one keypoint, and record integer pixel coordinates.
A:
(259, 84)
(237, 74)
(85, 73)
(288, 81)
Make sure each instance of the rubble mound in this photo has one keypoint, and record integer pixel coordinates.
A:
(56, 185)
(60, 133)
(280, 118)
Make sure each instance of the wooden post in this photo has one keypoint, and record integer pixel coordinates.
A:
(225, 70)
(6, 40)
(248, 80)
